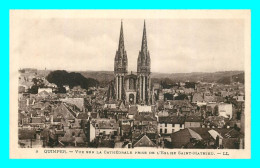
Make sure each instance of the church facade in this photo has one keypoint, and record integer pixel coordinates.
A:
(131, 88)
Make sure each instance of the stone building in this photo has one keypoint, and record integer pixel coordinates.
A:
(131, 88)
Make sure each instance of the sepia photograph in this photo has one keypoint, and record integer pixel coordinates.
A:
(130, 84)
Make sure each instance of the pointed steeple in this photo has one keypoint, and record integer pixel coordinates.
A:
(121, 46)
(143, 61)
(121, 61)
(144, 40)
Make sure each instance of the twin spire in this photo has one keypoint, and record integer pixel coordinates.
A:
(121, 46)
(143, 60)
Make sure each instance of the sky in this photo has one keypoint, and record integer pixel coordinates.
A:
(82, 44)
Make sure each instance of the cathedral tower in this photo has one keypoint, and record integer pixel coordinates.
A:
(144, 72)
(120, 67)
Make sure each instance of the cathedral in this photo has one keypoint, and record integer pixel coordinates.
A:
(131, 88)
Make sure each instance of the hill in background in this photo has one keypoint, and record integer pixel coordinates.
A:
(201, 76)
(222, 77)
(234, 78)
(105, 77)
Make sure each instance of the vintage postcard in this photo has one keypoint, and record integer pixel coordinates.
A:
(156, 84)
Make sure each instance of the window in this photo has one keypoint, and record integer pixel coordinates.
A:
(131, 83)
(160, 130)
(165, 124)
(165, 131)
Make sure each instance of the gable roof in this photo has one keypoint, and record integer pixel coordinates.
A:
(194, 134)
(187, 133)
(215, 134)
(197, 97)
(228, 133)
(203, 132)
(144, 141)
(121, 105)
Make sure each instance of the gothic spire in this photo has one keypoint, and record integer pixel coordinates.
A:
(121, 56)
(121, 46)
(144, 40)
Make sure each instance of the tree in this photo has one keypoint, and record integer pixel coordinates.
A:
(37, 83)
(61, 78)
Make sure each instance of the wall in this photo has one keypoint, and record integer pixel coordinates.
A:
(192, 124)
(170, 127)
(225, 109)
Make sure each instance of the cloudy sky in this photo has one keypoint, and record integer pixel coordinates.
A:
(175, 45)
